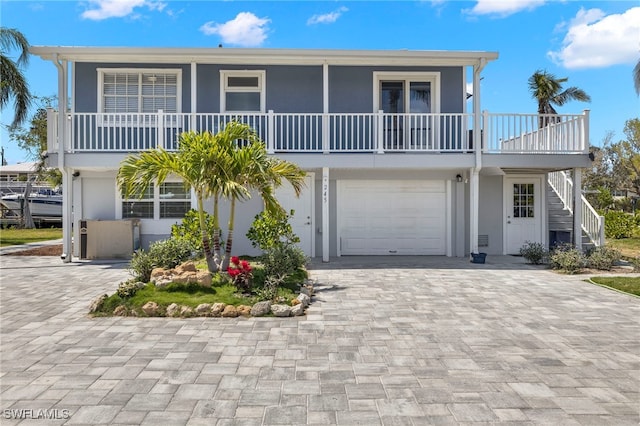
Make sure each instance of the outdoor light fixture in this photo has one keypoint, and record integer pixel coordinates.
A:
(459, 177)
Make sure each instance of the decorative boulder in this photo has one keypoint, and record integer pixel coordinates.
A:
(281, 310)
(186, 311)
(217, 309)
(203, 309)
(204, 278)
(120, 311)
(230, 311)
(297, 310)
(188, 266)
(261, 308)
(304, 299)
(151, 308)
(244, 310)
(97, 303)
(173, 310)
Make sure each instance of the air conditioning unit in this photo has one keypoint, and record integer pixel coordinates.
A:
(109, 239)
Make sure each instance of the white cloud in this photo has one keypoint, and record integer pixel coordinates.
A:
(596, 40)
(327, 18)
(246, 29)
(104, 9)
(502, 8)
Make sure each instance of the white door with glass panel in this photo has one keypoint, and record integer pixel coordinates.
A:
(523, 213)
(302, 220)
(405, 101)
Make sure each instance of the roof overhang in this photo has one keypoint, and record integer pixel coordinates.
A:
(263, 56)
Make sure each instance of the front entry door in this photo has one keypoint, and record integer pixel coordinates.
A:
(302, 220)
(523, 213)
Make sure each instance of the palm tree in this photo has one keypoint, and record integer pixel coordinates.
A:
(636, 77)
(547, 89)
(12, 82)
(196, 161)
(254, 170)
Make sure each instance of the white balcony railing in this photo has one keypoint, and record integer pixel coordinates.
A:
(334, 132)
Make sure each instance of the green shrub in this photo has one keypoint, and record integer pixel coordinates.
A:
(189, 230)
(141, 265)
(283, 261)
(603, 258)
(618, 225)
(567, 258)
(162, 254)
(535, 253)
(129, 288)
(635, 261)
(269, 230)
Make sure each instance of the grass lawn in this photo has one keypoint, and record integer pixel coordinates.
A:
(10, 237)
(629, 247)
(629, 285)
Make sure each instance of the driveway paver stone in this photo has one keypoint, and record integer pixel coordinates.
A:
(388, 340)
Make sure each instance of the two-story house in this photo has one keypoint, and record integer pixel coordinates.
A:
(399, 162)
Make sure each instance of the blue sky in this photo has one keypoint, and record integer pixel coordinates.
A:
(595, 44)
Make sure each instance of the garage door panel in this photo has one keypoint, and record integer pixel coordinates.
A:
(392, 217)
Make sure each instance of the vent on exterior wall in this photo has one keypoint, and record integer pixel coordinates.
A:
(483, 241)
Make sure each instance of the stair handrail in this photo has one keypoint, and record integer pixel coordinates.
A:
(591, 222)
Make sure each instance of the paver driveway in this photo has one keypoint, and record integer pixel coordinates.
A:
(386, 341)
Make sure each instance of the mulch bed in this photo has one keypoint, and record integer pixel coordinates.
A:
(55, 250)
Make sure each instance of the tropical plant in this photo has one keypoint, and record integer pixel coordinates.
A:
(568, 259)
(13, 84)
(189, 229)
(535, 253)
(251, 169)
(197, 162)
(241, 274)
(272, 229)
(547, 90)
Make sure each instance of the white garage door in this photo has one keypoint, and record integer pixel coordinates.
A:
(392, 217)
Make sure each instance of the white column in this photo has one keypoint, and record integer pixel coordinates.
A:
(67, 218)
(449, 219)
(325, 108)
(459, 215)
(577, 208)
(325, 214)
(77, 211)
(474, 206)
(194, 95)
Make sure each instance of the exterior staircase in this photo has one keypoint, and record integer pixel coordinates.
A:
(560, 214)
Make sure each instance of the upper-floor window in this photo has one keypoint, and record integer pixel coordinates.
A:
(139, 90)
(242, 91)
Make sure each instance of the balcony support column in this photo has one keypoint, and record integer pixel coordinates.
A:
(474, 207)
(325, 214)
(577, 208)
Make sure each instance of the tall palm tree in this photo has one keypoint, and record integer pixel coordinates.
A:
(254, 170)
(12, 82)
(636, 77)
(196, 161)
(547, 89)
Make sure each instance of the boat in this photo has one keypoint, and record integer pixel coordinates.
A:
(42, 204)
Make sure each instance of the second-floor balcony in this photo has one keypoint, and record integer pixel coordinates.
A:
(332, 132)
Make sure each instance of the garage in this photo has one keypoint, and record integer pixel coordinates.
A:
(403, 217)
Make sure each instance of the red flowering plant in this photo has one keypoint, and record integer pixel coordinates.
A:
(240, 273)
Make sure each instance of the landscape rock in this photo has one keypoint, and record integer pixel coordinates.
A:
(261, 308)
(217, 309)
(230, 311)
(188, 266)
(297, 310)
(97, 303)
(120, 311)
(173, 310)
(304, 299)
(186, 311)
(186, 273)
(281, 310)
(203, 309)
(151, 308)
(244, 310)
(204, 278)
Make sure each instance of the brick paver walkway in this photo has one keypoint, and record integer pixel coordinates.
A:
(427, 341)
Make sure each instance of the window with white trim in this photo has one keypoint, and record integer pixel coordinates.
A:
(168, 200)
(139, 91)
(242, 91)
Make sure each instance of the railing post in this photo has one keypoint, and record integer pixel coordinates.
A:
(160, 130)
(68, 134)
(585, 131)
(601, 235)
(325, 133)
(271, 132)
(380, 131)
(479, 135)
(52, 130)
